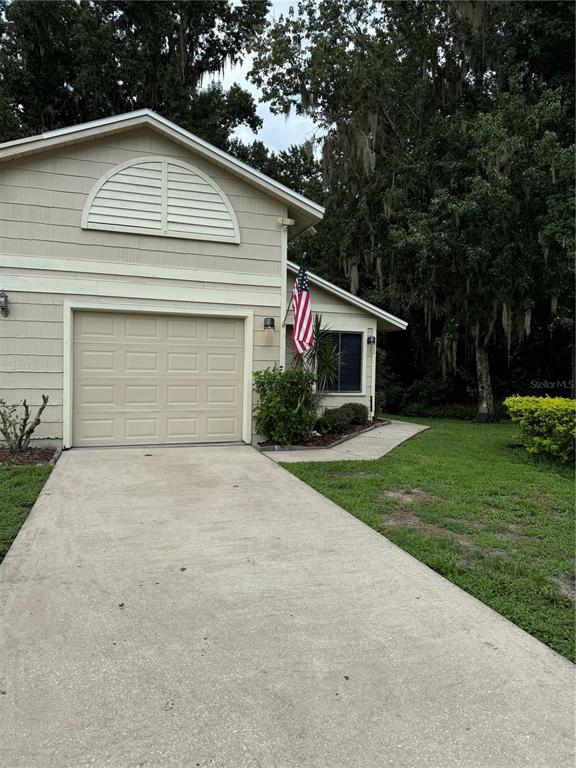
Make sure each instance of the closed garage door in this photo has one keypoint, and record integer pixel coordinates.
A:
(145, 378)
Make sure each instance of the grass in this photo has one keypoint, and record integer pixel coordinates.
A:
(469, 502)
(19, 488)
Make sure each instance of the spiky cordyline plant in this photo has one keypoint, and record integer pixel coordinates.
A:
(323, 359)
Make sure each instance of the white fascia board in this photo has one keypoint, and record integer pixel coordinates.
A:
(351, 299)
(217, 155)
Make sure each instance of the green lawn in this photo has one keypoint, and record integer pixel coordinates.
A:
(462, 498)
(19, 487)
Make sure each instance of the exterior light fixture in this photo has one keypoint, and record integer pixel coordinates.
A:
(4, 311)
(371, 340)
(269, 324)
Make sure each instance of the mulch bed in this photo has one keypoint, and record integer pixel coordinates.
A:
(325, 441)
(30, 457)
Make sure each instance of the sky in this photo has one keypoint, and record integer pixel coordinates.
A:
(278, 131)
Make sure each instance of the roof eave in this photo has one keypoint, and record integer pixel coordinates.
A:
(386, 321)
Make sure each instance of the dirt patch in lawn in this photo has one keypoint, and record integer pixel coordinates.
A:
(476, 525)
(409, 497)
(409, 520)
(565, 584)
(30, 457)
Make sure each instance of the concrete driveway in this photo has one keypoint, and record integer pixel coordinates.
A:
(201, 607)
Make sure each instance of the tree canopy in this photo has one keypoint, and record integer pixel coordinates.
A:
(445, 134)
(76, 60)
(447, 141)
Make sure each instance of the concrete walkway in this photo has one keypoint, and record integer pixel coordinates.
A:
(370, 445)
(201, 607)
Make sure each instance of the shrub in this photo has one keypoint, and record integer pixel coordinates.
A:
(332, 420)
(17, 431)
(339, 419)
(547, 424)
(286, 411)
(357, 412)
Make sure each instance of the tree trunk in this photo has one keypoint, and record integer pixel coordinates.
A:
(485, 398)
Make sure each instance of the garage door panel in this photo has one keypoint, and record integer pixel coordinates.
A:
(222, 362)
(183, 362)
(98, 430)
(222, 394)
(183, 394)
(221, 427)
(157, 379)
(142, 394)
(140, 362)
(182, 328)
(185, 428)
(223, 330)
(95, 325)
(139, 327)
(97, 394)
(142, 428)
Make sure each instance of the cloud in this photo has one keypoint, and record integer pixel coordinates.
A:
(278, 131)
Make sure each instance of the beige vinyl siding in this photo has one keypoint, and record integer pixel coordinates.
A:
(32, 363)
(339, 315)
(41, 203)
(43, 197)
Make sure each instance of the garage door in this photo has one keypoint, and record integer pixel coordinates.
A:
(143, 378)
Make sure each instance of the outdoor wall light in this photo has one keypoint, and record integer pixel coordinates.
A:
(269, 324)
(371, 340)
(4, 311)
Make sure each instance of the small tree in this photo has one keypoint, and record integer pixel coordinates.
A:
(17, 431)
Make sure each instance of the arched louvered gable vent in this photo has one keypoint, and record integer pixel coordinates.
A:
(161, 196)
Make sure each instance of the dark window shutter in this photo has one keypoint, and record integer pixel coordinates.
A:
(351, 364)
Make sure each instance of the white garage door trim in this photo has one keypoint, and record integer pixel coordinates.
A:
(71, 307)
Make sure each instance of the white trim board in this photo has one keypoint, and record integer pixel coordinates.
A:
(70, 307)
(127, 290)
(306, 212)
(191, 274)
(371, 309)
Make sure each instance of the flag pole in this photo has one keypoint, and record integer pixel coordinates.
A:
(289, 307)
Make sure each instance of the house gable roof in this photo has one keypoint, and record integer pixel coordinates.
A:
(386, 321)
(304, 212)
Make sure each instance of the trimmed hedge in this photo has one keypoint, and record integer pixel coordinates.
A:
(339, 419)
(547, 424)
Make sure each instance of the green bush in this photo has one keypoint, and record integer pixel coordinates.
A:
(547, 424)
(339, 419)
(285, 413)
(332, 420)
(357, 412)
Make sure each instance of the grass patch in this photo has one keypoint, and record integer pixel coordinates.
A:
(19, 489)
(467, 501)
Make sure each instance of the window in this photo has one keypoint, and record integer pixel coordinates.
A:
(349, 346)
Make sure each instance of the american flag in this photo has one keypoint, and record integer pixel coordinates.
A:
(303, 331)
